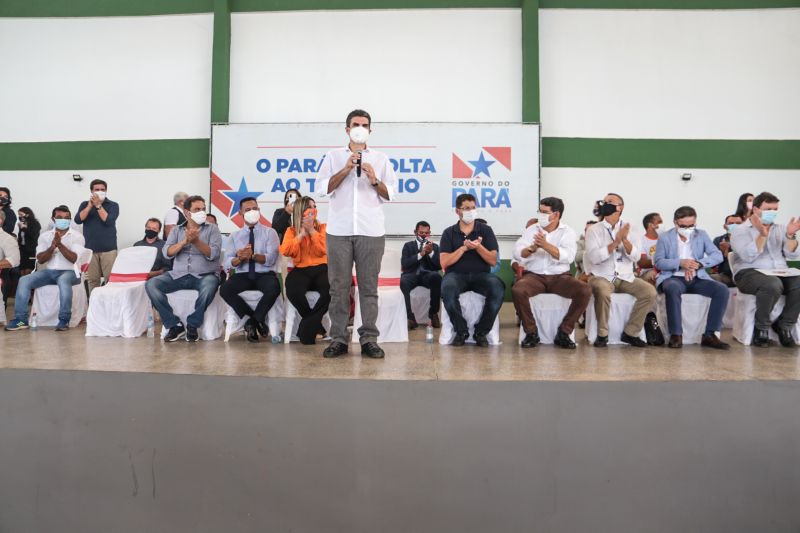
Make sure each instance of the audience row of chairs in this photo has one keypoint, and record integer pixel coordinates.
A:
(122, 308)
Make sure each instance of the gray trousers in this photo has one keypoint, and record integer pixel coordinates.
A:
(366, 253)
(768, 290)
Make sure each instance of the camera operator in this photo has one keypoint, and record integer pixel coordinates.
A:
(420, 265)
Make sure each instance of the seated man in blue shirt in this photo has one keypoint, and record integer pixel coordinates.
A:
(761, 244)
(254, 255)
(152, 229)
(468, 252)
(682, 255)
(195, 251)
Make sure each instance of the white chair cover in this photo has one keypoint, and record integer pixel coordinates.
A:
(727, 318)
(391, 322)
(745, 318)
(694, 314)
(293, 318)
(421, 304)
(233, 323)
(121, 307)
(182, 303)
(45, 299)
(621, 307)
(548, 311)
(471, 309)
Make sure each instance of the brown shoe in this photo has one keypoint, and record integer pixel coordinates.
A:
(435, 322)
(412, 324)
(675, 341)
(712, 341)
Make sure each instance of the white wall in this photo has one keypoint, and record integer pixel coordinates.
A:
(402, 66)
(141, 193)
(690, 74)
(105, 78)
(713, 193)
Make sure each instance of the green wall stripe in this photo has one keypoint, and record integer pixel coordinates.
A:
(670, 153)
(101, 8)
(530, 60)
(92, 155)
(668, 4)
(221, 62)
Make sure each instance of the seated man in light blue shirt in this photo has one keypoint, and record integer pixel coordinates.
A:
(682, 255)
(253, 252)
(195, 251)
(761, 244)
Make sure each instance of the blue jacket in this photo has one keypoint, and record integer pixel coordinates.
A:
(668, 261)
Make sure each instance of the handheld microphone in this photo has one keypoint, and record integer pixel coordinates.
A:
(358, 165)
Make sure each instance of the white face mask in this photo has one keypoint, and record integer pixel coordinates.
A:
(543, 219)
(686, 233)
(359, 135)
(468, 217)
(199, 217)
(749, 205)
(100, 194)
(291, 199)
(252, 217)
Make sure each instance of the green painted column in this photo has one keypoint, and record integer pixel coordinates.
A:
(530, 61)
(221, 62)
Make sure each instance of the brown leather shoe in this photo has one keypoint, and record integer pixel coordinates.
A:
(412, 324)
(675, 341)
(435, 322)
(712, 341)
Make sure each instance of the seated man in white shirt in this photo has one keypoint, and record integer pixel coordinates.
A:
(546, 251)
(760, 246)
(9, 248)
(611, 257)
(57, 252)
(647, 246)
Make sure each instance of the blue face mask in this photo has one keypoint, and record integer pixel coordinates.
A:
(62, 223)
(768, 217)
(731, 227)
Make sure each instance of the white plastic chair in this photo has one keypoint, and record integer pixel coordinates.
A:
(234, 323)
(744, 319)
(471, 309)
(120, 308)
(694, 314)
(46, 299)
(391, 321)
(182, 303)
(621, 307)
(293, 318)
(548, 311)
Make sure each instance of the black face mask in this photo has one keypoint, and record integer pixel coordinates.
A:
(4, 201)
(603, 209)
(150, 234)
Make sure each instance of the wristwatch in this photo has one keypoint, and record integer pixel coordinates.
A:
(792, 237)
(377, 182)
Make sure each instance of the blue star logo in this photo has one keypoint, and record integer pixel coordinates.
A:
(481, 166)
(236, 196)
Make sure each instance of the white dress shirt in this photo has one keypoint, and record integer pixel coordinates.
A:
(72, 240)
(355, 207)
(618, 264)
(541, 262)
(9, 248)
(684, 252)
(773, 256)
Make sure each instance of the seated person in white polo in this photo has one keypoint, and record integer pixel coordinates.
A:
(57, 252)
(682, 255)
(546, 251)
(610, 258)
(761, 244)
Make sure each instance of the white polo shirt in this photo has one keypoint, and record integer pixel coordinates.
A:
(9, 248)
(541, 262)
(355, 206)
(71, 239)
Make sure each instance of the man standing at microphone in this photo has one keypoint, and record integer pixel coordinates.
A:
(358, 180)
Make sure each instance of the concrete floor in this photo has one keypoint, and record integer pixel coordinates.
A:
(416, 360)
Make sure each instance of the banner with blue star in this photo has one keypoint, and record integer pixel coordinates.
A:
(481, 166)
(237, 196)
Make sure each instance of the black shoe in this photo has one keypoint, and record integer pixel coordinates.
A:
(601, 341)
(481, 340)
(784, 335)
(460, 339)
(191, 334)
(262, 329)
(412, 324)
(712, 341)
(252, 332)
(372, 350)
(175, 333)
(562, 340)
(760, 337)
(531, 340)
(335, 349)
(633, 341)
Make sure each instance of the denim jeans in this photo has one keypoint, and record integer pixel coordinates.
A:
(65, 279)
(454, 284)
(158, 287)
(677, 286)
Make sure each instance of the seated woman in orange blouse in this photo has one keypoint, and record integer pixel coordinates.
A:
(304, 243)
